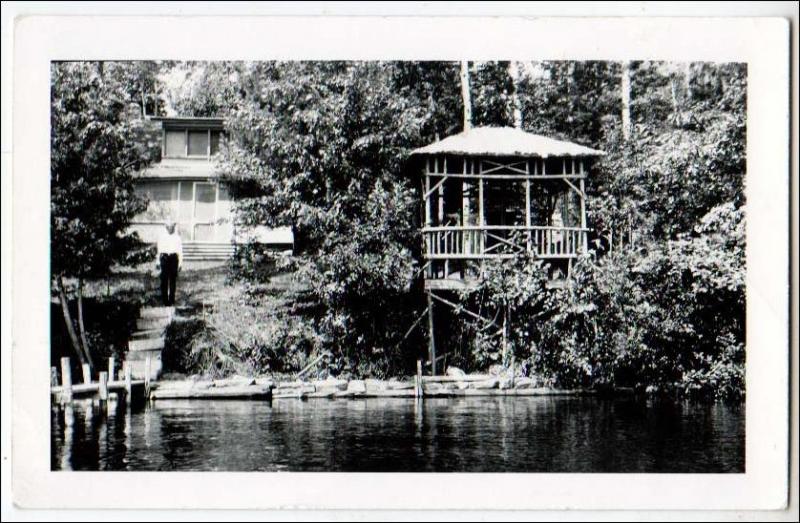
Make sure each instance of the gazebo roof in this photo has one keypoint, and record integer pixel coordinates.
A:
(505, 141)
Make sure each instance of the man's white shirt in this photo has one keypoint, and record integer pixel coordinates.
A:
(171, 244)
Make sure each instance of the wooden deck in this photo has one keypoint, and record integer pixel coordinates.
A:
(483, 207)
(488, 242)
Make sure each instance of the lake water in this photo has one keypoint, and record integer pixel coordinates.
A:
(520, 434)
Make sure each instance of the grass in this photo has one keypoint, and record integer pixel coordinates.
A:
(111, 305)
(218, 320)
(198, 283)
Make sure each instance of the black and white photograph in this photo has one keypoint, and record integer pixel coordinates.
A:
(476, 266)
(401, 263)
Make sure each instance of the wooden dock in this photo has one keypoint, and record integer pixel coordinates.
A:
(121, 384)
(137, 373)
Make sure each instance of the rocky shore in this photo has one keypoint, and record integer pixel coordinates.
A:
(454, 385)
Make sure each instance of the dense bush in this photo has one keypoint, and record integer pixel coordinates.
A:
(321, 148)
(667, 317)
(247, 330)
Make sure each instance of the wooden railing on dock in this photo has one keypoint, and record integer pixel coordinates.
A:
(123, 386)
(484, 242)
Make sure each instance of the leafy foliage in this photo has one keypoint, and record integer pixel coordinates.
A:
(321, 147)
(669, 317)
(205, 88)
(97, 144)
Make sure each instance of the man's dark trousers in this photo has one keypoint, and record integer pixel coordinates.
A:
(169, 277)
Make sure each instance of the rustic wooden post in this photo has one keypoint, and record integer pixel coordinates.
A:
(440, 195)
(111, 368)
(147, 376)
(128, 385)
(513, 368)
(431, 339)
(481, 247)
(428, 213)
(505, 335)
(66, 380)
(584, 235)
(87, 373)
(528, 205)
(466, 212)
(103, 389)
(418, 380)
(440, 216)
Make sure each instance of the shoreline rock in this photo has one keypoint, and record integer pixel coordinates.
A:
(455, 384)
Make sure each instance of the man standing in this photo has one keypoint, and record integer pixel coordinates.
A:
(170, 259)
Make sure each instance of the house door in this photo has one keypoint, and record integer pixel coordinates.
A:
(203, 212)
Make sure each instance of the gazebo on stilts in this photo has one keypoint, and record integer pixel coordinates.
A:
(496, 193)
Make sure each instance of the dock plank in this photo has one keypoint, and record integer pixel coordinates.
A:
(146, 344)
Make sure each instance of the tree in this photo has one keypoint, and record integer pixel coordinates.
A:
(140, 80)
(626, 100)
(574, 101)
(492, 90)
(322, 147)
(466, 97)
(434, 87)
(205, 88)
(98, 140)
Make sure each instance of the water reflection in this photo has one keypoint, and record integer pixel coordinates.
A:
(524, 434)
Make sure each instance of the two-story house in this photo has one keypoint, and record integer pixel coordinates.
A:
(183, 187)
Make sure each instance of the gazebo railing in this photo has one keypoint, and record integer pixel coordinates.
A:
(498, 241)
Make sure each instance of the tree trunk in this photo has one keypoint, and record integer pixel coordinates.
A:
(513, 72)
(81, 328)
(465, 95)
(674, 93)
(687, 73)
(626, 100)
(62, 297)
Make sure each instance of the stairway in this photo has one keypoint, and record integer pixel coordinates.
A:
(148, 340)
(207, 251)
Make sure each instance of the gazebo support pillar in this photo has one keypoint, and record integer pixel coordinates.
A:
(431, 339)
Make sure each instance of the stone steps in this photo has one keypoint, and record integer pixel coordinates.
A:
(149, 333)
(207, 251)
(157, 312)
(146, 324)
(148, 341)
(146, 344)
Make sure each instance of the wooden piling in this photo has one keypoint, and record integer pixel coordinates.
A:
(147, 367)
(66, 380)
(513, 368)
(53, 377)
(111, 368)
(505, 335)
(87, 373)
(103, 388)
(431, 340)
(128, 385)
(418, 380)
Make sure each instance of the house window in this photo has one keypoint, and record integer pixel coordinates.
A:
(198, 143)
(180, 143)
(175, 144)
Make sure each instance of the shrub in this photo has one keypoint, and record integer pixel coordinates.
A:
(667, 317)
